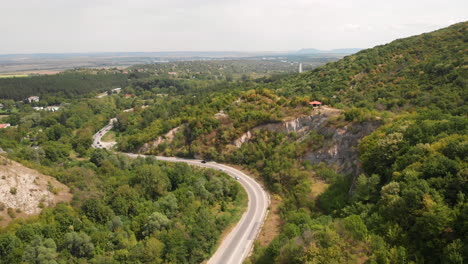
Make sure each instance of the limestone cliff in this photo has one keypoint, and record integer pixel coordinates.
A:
(339, 149)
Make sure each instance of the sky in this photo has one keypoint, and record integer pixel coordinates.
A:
(63, 26)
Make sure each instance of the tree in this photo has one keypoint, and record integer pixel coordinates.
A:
(150, 251)
(55, 151)
(356, 227)
(57, 131)
(97, 210)
(152, 180)
(115, 224)
(157, 221)
(10, 249)
(78, 244)
(41, 251)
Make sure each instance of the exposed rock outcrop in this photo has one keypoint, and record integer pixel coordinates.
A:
(301, 125)
(244, 138)
(340, 146)
(166, 138)
(27, 191)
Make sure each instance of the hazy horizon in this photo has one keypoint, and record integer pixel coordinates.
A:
(55, 26)
(253, 53)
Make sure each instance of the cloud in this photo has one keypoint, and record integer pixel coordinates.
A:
(249, 25)
(351, 27)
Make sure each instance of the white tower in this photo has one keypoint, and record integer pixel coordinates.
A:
(300, 67)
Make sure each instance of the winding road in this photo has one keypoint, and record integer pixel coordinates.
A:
(237, 245)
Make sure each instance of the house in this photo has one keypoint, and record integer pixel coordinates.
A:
(2, 106)
(4, 125)
(116, 90)
(38, 108)
(128, 95)
(31, 99)
(172, 73)
(315, 103)
(52, 108)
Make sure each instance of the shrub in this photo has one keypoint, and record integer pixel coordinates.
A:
(11, 212)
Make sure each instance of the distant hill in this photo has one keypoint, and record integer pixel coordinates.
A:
(333, 51)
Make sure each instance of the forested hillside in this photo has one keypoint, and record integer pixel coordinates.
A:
(407, 205)
(427, 70)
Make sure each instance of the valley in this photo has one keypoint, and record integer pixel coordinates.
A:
(360, 160)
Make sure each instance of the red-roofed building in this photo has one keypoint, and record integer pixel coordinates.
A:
(315, 103)
(4, 125)
(31, 99)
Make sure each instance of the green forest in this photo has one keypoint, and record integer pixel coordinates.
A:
(70, 83)
(129, 211)
(123, 210)
(405, 200)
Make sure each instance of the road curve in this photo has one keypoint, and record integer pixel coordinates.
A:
(97, 138)
(237, 245)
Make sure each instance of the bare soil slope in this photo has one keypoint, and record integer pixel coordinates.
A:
(27, 191)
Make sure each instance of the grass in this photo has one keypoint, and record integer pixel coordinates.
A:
(317, 187)
(109, 137)
(5, 112)
(272, 226)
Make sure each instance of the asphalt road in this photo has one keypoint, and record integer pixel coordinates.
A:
(97, 138)
(237, 245)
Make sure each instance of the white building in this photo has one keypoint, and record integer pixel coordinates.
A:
(52, 108)
(31, 99)
(116, 90)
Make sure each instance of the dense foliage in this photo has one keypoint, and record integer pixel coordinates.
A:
(123, 210)
(409, 204)
(66, 84)
(128, 211)
(428, 70)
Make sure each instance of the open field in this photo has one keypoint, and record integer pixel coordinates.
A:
(13, 75)
(109, 137)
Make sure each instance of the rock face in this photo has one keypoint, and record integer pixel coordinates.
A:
(340, 146)
(244, 138)
(166, 138)
(301, 125)
(27, 191)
